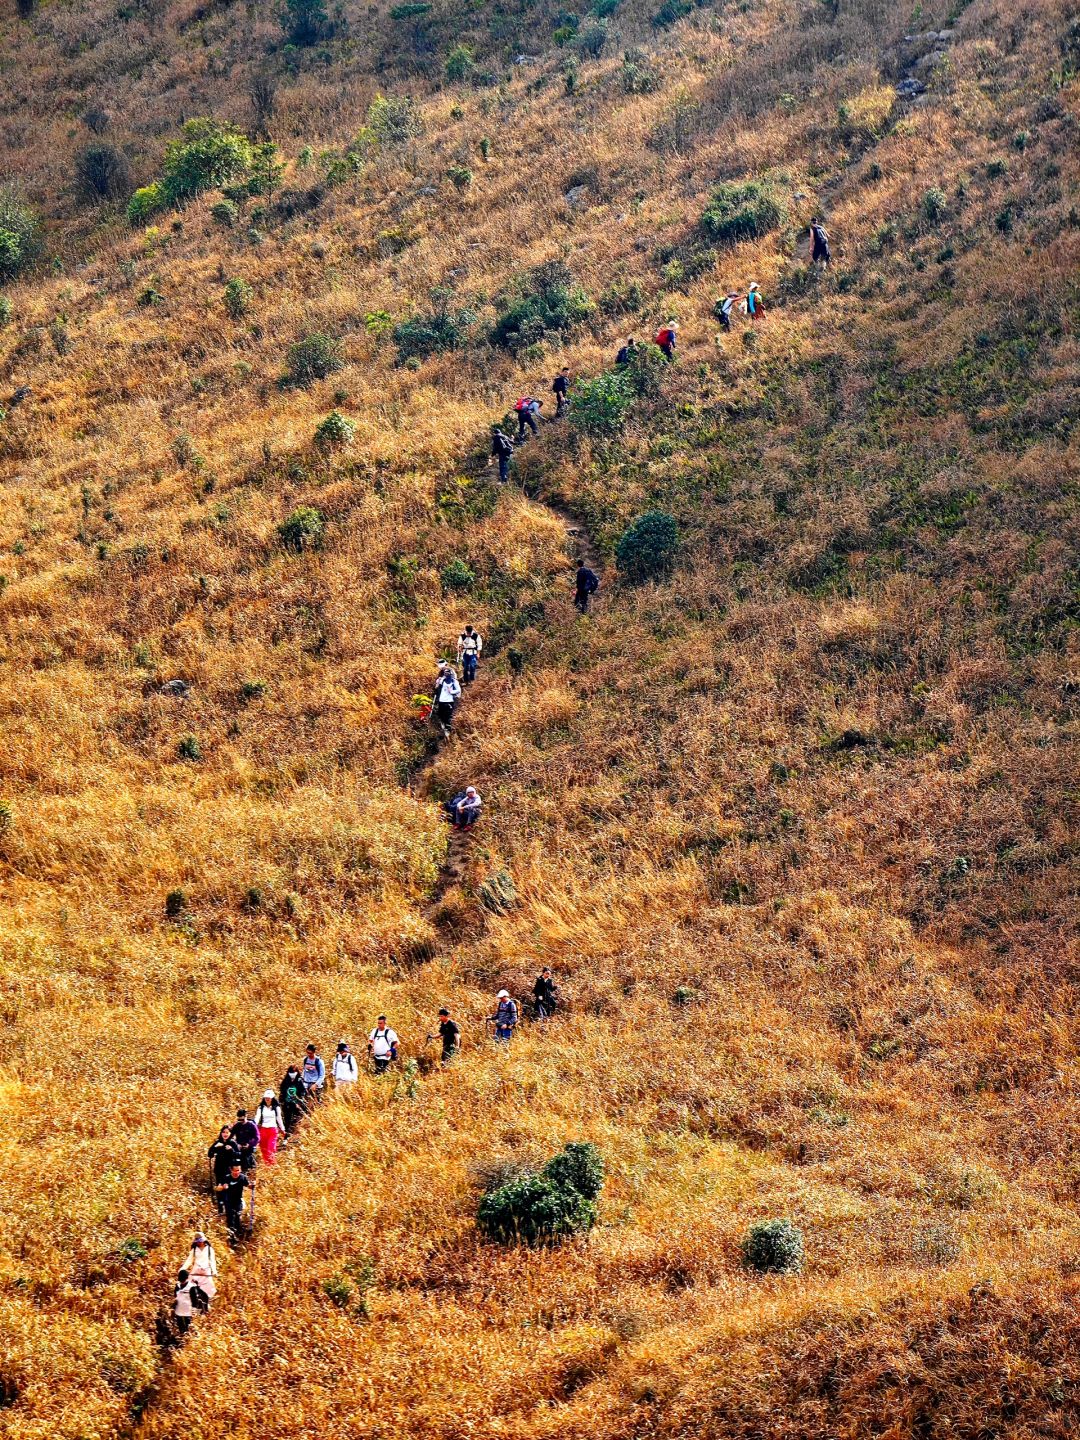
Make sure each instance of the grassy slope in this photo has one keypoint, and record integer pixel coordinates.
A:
(878, 501)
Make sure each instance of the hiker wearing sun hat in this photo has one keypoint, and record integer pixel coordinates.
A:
(270, 1124)
(201, 1265)
(505, 1018)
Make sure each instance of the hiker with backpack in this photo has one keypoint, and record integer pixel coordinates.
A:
(560, 388)
(222, 1155)
(725, 307)
(545, 994)
(626, 353)
(502, 449)
(201, 1265)
(382, 1046)
(527, 409)
(819, 238)
(270, 1125)
(291, 1094)
(505, 1018)
(245, 1136)
(666, 337)
(753, 305)
(232, 1193)
(313, 1073)
(183, 1301)
(344, 1068)
(464, 809)
(445, 696)
(586, 583)
(469, 646)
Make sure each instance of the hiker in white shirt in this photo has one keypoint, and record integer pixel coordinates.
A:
(183, 1305)
(268, 1118)
(343, 1068)
(201, 1265)
(469, 646)
(382, 1045)
(447, 692)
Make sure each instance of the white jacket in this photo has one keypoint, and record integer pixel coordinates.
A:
(447, 688)
(200, 1262)
(268, 1117)
(343, 1068)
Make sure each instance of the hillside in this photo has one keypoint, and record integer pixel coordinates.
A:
(794, 820)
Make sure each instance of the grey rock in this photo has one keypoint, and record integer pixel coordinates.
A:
(909, 88)
(575, 196)
(177, 688)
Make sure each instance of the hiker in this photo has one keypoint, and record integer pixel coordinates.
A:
(313, 1072)
(449, 1034)
(626, 352)
(382, 1045)
(291, 1094)
(527, 409)
(469, 646)
(545, 994)
(586, 583)
(270, 1125)
(344, 1067)
(245, 1136)
(223, 1153)
(502, 449)
(446, 695)
(505, 1018)
(754, 305)
(819, 237)
(666, 337)
(560, 388)
(201, 1265)
(727, 304)
(232, 1193)
(464, 809)
(183, 1305)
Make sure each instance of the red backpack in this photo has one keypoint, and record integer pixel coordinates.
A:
(663, 337)
(522, 404)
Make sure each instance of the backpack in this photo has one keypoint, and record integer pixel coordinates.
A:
(664, 337)
(522, 404)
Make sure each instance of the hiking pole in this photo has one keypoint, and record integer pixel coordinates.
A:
(251, 1212)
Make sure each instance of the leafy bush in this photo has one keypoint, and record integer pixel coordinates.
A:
(393, 120)
(460, 176)
(305, 21)
(647, 369)
(456, 575)
(621, 297)
(591, 38)
(648, 546)
(334, 432)
(303, 529)
(102, 172)
(639, 77)
(743, 211)
(6, 311)
(7, 816)
(546, 302)
(207, 155)
(147, 201)
(440, 329)
(545, 1207)
(224, 213)
(313, 357)
(670, 12)
(934, 204)
(189, 748)
(460, 64)
(238, 298)
(774, 1247)
(602, 406)
(18, 233)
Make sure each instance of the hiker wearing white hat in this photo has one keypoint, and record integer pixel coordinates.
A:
(270, 1125)
(505, 1018)
(201, 1265)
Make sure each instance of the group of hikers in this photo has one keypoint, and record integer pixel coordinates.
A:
(252, 1139)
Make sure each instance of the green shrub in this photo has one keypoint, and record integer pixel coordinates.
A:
(18, 233)
(147, 201)
(313, 357)
(189, 748)
(305, 22)
(743, 211)
(224, 213)
(647, 369)
(456, 575)
(102, 172)
(648, 546)
(460, 64)
(7, 817)
(303, 530)
(591, 38)
(460, 176)
(393, 120)
(131, 1249)
(603, 9)
(545, 1208)
(639, 77)
(671, 11)
(411, 10)
(545, 302)
(774, 1247)
(6, 311)
(934, 204)
(602, 406)
(334, 432)
(238, 298)
(622, 297)
(207, 155)
(440, 329)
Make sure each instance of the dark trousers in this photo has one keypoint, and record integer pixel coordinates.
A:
(725, 320)
(469, 662)
(382, 1064)
(183, 1323)
(247, 1158)
(560, 404)
(444, 712)
(526, 417)
(581, 600)
(234, 1221)
(504, 468)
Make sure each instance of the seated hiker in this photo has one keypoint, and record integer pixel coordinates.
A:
(270, 1125)
(313, 1072)
(527, 409)
(545, 994)
(560, 388)
(382, 1045)
(245, 1135)
(505, 1018)
(469, 646)
(344, 1068)
(464, 809)
(222, 1155)
(183, 1305)
(666, 337)
(201, 1264)
(232, 1193)
(502, 450)
(291, 1094)
(446, 695)
(586, 583)
(819, 238)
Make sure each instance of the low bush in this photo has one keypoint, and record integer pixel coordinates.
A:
(207, 155)
(314, 357)
(547, 301)
(334, 432)
(303, 530)
(460, 176)
(743, 211)
(189, 748)
(934, 204)
(647, 369)
(102, 172)
(545, 1207)
(305, 22)
(18, 233)
(639, 76)
(591, 38)
(147, 201)
(224, 213)
(775, 1247)
(647, 547)
(393, 120)
(439, 329)
(456, 575)
(601, 406)
(238, 298)
(460, 64)
(6, 311)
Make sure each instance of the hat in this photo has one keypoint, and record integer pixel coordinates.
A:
(200, 1238)
(268, 1094)
(503, 995)
(343, 1044)
(470, 789)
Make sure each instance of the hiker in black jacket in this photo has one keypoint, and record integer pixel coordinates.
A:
(820, 238)
(245, 1134)
(559, 388)
(586, 583)
(545, 994)
(223, 1153)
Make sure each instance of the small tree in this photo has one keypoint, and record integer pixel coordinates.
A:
(18, 233)
(647, 548)
(335, 432)
(303, 530)
(743, 211)
(147, 201)
(439, 329)
(238, 298)
(208, 154)
(102, 172)
(774, 1247)
(305, 22)
(313, 357)
(601, 407)
(266, 170)
(460, 64)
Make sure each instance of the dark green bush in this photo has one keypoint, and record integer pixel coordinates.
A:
(774, 1247)
(313, 357)
(743, 211)
(460, 64)
(545, 1208)
(102, 172)
(457, 575)
(303, 529)
(647, 547)
(647, 369)
(440, 329)
(579, 1166)
(591, 37)
(224, 213)
(671, 11)
(208, 154)
(545, 302)
(305, 22)
(934, 204)
(238, 298)
(18, 233)
(639, 76)
(393, 120)
(335, 432)
(189, 748)
(602, 406)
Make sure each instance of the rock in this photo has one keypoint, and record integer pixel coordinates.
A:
(428, 190)
(20, 395)
(926, 63)
(177, 688)
(909, 88)
(575, 196)
(945, 37)
(526, 59)
(318, 250)
(798, 196)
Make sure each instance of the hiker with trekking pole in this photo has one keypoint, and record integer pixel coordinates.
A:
(449, 1032)
(222, 1155)
(232, 1192)
(201, 1266)
(445, 697)
(469, 646)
